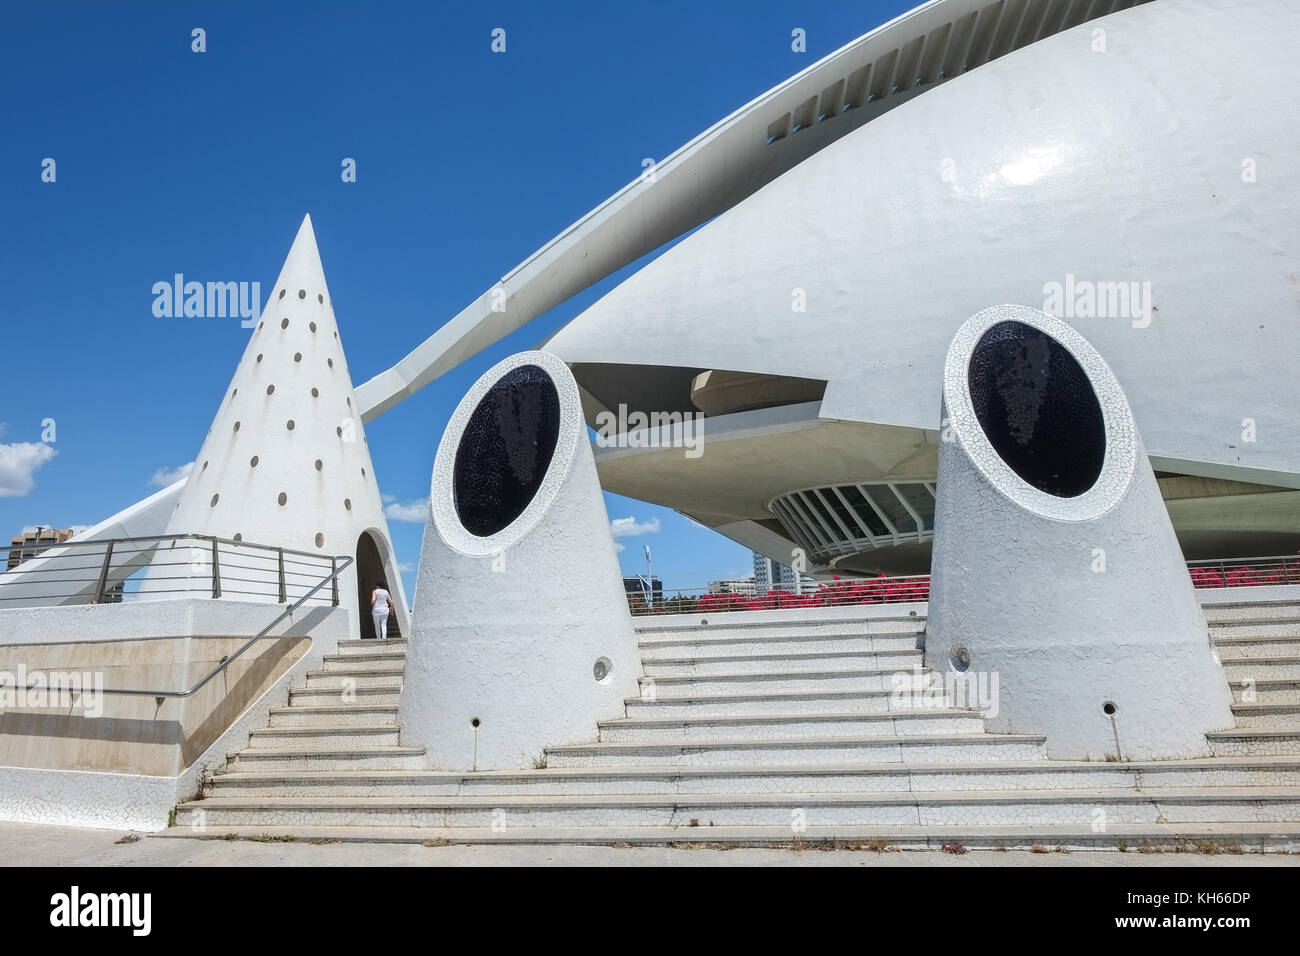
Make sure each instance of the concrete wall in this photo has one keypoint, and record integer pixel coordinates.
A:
(130, 764)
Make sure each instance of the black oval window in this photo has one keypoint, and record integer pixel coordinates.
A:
(1037, 409)
(505, 450)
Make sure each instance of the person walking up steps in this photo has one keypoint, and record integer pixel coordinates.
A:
(381, 603)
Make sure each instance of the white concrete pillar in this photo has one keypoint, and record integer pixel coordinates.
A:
(522, 636)
(1055, 566)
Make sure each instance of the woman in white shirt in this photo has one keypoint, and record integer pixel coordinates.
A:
(381, 603)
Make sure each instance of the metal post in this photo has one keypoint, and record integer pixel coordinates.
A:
(334, 581)
(103, 574)
(216, 571)
(283, 596)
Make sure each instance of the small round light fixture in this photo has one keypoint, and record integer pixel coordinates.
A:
(601, 669)
(959, 657)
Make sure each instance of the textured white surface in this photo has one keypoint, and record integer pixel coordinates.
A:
(183, 617)
(508, 627)
(1018, 587)
(289, 406)
(1055, 160)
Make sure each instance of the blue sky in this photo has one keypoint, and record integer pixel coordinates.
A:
(205, 163)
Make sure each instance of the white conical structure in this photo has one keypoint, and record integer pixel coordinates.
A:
(523, 638)
(1055, 566)
(286, 461)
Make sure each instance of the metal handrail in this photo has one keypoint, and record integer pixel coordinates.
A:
(54, 555)
(337, 564)
(904, 588)
(160, 695)
(72, 543)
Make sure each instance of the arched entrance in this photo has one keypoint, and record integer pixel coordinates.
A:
(370, 568)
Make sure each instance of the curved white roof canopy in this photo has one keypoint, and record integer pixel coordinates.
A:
(1167, 160)
(733, 159)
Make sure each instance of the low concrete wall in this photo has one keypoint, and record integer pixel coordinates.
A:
(124, 761)
(1261, 594)
(830, 615)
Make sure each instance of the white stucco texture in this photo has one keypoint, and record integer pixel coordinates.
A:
(508, 627)
(286, 462)
(1075, 602)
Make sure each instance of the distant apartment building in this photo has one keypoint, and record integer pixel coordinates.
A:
(636, 585)
(771, 575)
(743, 587)
(31, 543)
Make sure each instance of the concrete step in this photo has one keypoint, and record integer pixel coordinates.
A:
(364, 647)
(364, 663)
(765, 663)
(1267, 691)
(1255, 741)
(796, 810)
(800, 750)
(1217, 614)
(771, 704)
(357, 757)
(757, 645)
(694, 686)
(1273, 714)
(323, 735)
(1138, 837)
(1257, 646)
(782, 726)
(1239, 667)
(1273, 627)
(359, 714)
(763, 778)
(344, 679)
(378, 693)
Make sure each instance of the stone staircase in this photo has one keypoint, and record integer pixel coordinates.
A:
(344, 718)
(1259, 648)
(771, 732)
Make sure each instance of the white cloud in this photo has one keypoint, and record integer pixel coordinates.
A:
(169, 476)
(18, 463)
(405, 567)
(413, 512)
(629, 527)
(387, 498)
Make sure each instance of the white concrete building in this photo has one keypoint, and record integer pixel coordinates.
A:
(1127, 166)
(1055, 154)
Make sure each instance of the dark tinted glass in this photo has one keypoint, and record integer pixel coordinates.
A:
(1037, 409)
(505, 450)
